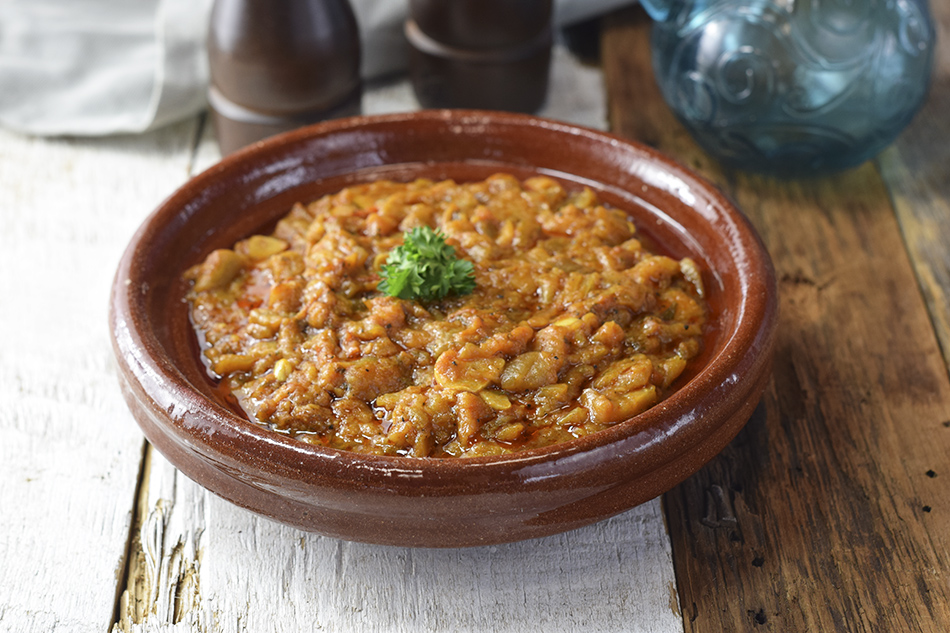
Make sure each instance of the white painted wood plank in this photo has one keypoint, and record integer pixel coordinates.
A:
(70, 453)
(211, 566)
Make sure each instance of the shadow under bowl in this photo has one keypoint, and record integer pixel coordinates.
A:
(439, 502)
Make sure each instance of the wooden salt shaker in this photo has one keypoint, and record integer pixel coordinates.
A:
(280, 64)
(485, 54)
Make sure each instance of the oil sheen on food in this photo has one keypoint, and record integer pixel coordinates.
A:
(572, 327)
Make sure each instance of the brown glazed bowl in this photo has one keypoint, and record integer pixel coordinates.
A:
(432, 502)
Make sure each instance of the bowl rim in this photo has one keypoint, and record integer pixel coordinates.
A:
(230, 439)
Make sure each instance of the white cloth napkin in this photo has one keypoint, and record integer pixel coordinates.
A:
(93, 67)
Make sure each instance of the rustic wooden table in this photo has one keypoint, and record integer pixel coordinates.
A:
(829, 512)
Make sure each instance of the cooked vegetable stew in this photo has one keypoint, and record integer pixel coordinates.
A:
(572, 325)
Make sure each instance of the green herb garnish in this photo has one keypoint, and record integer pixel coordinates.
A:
(425, 267)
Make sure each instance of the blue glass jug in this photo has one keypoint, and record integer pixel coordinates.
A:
(793, 87)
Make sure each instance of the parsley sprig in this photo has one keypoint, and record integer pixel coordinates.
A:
(425, 267)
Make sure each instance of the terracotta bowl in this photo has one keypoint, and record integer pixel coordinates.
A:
(430, 502)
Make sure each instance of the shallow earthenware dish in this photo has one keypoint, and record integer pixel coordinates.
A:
(429, 502)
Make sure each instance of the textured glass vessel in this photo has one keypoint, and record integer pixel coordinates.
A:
(793, 87)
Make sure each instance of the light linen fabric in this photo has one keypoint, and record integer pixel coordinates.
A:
(100, 66)
(94, 67)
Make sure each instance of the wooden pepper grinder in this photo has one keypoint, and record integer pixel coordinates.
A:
(486, 54)
(279, 64)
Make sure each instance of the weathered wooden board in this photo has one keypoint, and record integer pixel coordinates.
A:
(831, 510)
(204, 564)
(917, 172)
(69, 456)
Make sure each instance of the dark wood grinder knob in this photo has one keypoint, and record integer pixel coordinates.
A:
(280, 64)
(485, 54)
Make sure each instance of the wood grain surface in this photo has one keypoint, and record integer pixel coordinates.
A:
(69, 458)
(202, 564)
(917, 172)
(831, 510)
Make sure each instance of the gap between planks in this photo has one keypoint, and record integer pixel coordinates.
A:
(121, 590)
(137, 587)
